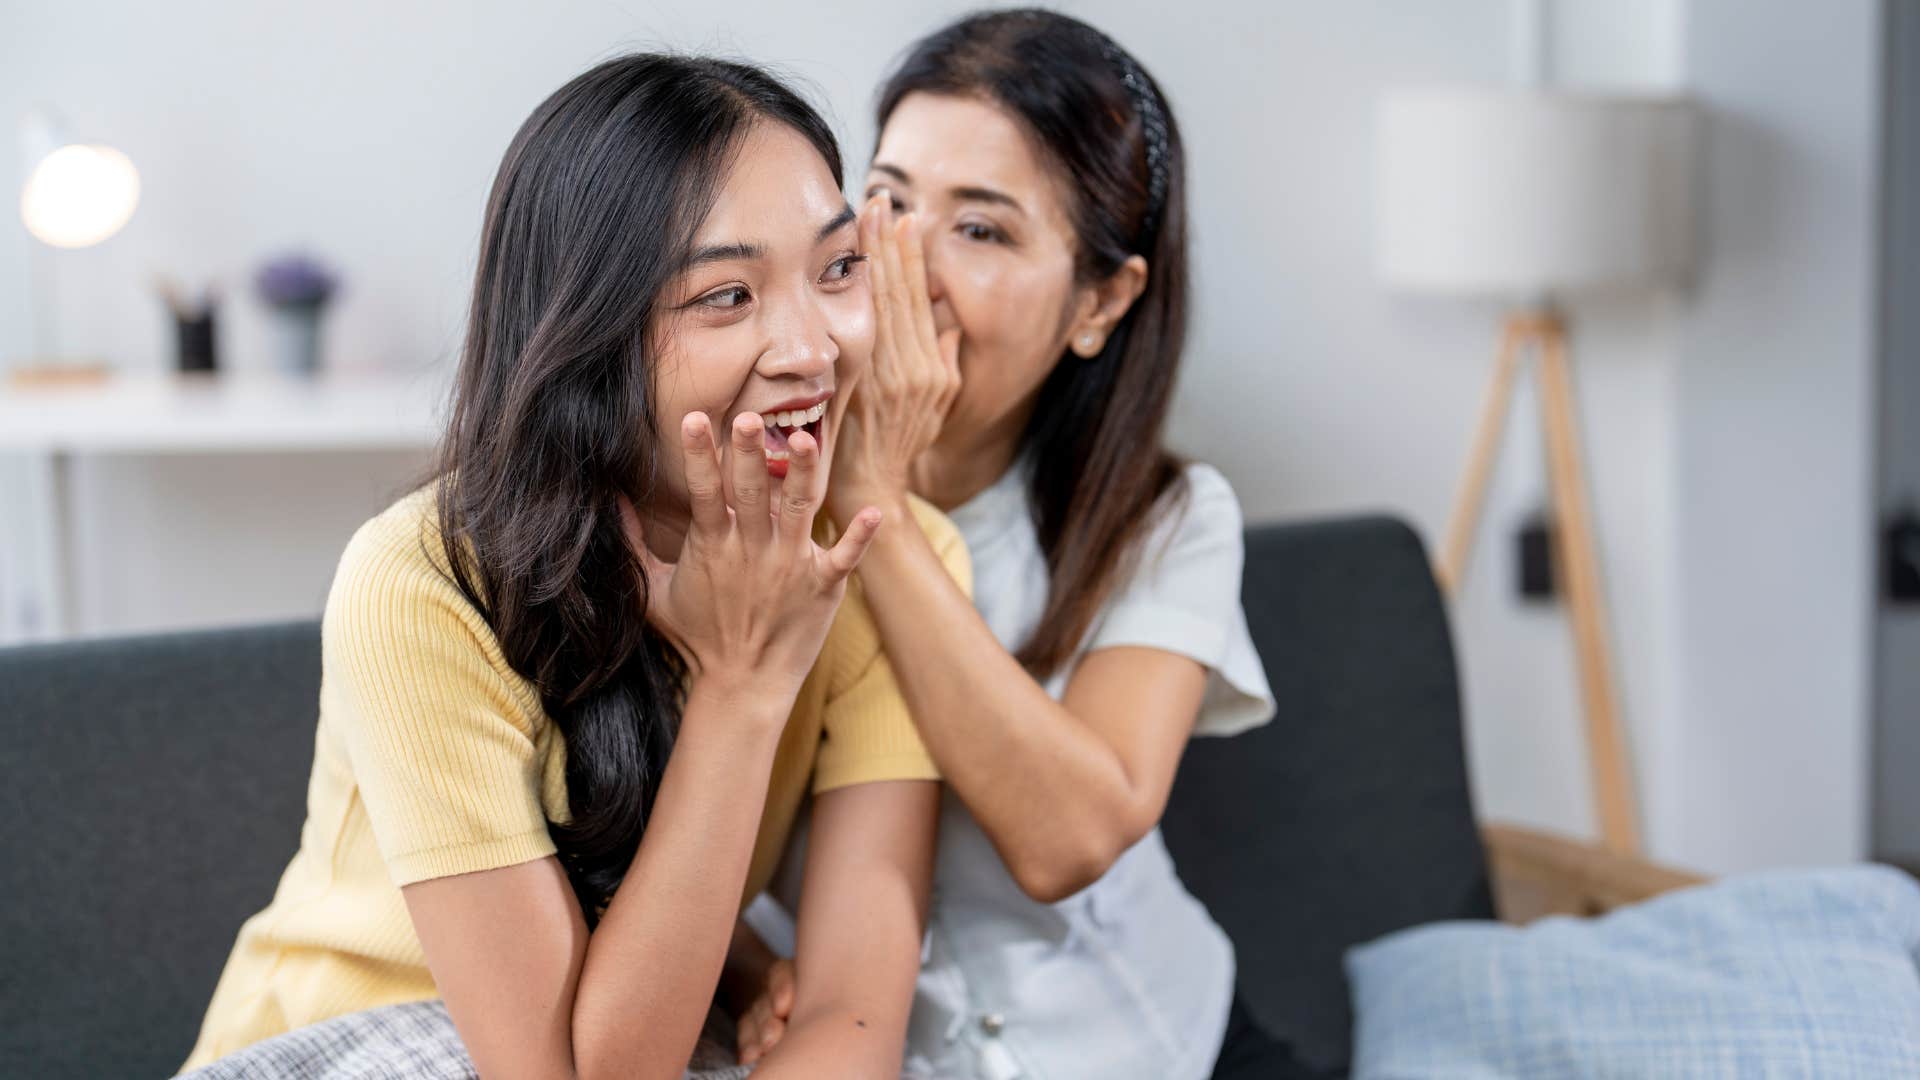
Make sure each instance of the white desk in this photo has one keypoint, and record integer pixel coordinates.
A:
(50, 423)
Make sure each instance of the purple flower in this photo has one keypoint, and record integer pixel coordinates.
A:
(295, 280)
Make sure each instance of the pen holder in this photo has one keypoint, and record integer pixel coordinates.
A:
(194, 341)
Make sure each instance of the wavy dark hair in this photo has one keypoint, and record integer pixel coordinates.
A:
(553, 419)
(1100, 475)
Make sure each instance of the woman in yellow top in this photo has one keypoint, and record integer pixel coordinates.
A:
(575, 689)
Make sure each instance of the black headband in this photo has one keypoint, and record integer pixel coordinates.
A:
(1153, 129)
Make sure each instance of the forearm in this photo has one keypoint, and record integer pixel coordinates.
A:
(653, 962)
(1053, 796)
(862, 917)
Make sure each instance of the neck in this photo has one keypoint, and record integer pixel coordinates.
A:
(665, 530)
(962, 464)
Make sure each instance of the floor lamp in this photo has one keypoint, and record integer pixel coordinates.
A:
(1529, 197)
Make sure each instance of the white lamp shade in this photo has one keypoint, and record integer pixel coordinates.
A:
(79, 195)
(1526, 193)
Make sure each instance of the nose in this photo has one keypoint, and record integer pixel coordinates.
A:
(801, 345)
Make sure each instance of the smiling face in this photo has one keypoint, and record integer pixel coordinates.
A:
(1000, 250)
(772, 312)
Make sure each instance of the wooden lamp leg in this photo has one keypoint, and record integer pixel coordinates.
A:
(1486, 445)
(1573, 532)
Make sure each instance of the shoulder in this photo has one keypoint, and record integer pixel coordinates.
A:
(394, 599)
(1210, 500)
(1200, 517)
(396, 566)
(400, 542)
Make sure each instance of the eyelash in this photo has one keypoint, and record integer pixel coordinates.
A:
(851, 261)
(704, 300)
(993, 235)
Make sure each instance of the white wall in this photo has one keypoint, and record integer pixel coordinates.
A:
(369, 133)
(1776, 436)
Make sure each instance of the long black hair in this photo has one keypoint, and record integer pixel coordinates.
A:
(593, 211)
(1100, 473)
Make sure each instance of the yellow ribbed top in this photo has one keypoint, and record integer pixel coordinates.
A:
(433, 757)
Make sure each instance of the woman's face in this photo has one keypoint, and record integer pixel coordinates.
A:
(999, 247)
(771, 314)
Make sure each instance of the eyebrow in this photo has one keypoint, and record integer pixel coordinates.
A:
(751, 250)
(965, 193)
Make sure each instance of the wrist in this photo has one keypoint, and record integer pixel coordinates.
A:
(746, 695)
(849, 498)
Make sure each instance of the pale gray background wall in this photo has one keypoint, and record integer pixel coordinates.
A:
(368, 132)
(1896, 833)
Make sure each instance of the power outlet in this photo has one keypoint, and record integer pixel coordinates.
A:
(1533, 558)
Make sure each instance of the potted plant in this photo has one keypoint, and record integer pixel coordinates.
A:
(297, 288)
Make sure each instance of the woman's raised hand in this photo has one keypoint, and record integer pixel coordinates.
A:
(897, 410)
(751, 596)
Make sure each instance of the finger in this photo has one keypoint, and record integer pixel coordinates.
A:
(890, 257)
(913, 262)
(705, 492)
(770, 1035)
(747, 475)
(884, 335)
(845, 556)
(803, 489)
(783, 997)
(747, 1040)
(870, 223)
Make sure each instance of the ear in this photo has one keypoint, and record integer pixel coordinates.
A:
(1103, 305)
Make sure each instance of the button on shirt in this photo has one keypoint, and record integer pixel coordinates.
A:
(1130, 977)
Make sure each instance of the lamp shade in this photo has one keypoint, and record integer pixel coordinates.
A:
(1525, 192)
(79, 195)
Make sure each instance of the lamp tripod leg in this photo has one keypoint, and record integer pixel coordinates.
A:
(1586, 604)
(1471, 499)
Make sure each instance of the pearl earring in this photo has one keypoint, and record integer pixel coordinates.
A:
(1087, 343)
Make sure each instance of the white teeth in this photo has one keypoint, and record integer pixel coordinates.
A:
(778, 455)
(794, 418)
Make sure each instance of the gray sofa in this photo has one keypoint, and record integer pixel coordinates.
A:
(155, 787)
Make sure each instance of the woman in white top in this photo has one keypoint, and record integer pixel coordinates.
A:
(1027, 232)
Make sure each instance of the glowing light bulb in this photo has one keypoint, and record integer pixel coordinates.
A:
(79, 195)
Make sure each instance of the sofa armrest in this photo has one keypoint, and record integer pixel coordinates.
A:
(1536, 874)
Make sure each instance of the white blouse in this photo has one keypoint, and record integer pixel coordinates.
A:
(1130, 977)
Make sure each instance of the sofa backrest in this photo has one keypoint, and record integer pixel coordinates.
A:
(1349, 815)
(154, 789)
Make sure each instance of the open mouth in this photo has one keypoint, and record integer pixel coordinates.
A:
(781, 427)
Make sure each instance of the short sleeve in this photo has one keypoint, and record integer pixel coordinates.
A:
(869, 735)
(1184, 597)
(440, 734)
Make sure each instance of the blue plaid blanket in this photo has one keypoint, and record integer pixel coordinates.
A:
(1789, 974)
